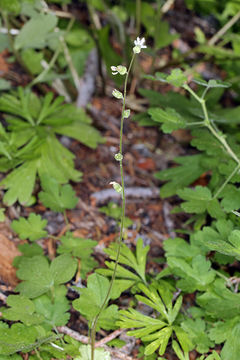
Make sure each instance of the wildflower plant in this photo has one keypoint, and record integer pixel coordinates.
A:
(120, 188)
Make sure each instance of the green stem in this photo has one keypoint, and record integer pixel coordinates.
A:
(65, 217)
(38, 354)
(119, 241)
(226, 181)
(213, 129)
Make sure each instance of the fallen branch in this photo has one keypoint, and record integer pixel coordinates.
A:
(104, 196)
(84, 339)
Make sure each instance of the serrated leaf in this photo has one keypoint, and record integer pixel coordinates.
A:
(189, 170)
(196, 330)
(170, 119)
(176, 78)
(34, 32)
(54, 313)
(31, 228)
(81, 248)
(231, 198)
(20, 183)
(56, 197)
(195, 276)
(22, 309)
(136, 262)
(91, 300)
(199, 200)
(40, 277)
(220, 302)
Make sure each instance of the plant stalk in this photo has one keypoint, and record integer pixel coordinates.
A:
(119, 241)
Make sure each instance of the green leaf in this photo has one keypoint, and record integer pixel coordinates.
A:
(31, 228)
(190, 169)
(195, 276)
(55, 313)
(176, 78)
(224, 239)
(99, 353)
(136, 262)
(56, 197)
(199, 200)
(40, 277)
(28, 250)
(20, 183)
(21, 309)
(13, 6)
(220, 302)
(231, 198)
(91, 300)
(32, 60)
(17, 338)
(81, 248)
(169, 117)
(231, 348)
(196, 330)
(34, 32)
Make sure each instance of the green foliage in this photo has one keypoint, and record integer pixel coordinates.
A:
(114, 211)
(156, 331)
(92, 298)
(39, 277)
(85, 353)
(136, 267)
(169, 117)
(80, 248)
(31, 228)
(55, 196)
(30, 146)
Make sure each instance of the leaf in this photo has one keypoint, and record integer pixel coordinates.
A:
(56, 197)
(17, 338)
(231, 348)
(28, 250)
(176, 78)
(40, 277)
(196, 330)
(179, 248)
(195, 276)
(225, 240)
(136, 262)
(189, 170)
(31, 228)
(99, 353)
(220, 302)
(34, 32)
(54, 313)
(169, 117)
(231, 198)
(81, 248)
(91, 300)
(20, 183)
(22, 309)
(199, 200)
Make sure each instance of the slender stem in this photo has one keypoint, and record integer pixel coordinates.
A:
(226, 181)
(224, 29)
(195, 123)
(65, 217)
(213, 129)
(119, 241)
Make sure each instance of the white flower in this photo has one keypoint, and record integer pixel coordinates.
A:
(117, 187)
(139, 44)
(118, 70)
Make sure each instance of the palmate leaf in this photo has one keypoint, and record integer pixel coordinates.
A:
(22, 309)
(31, 146)
(196, 330)
(39, 277)
(126, 278)
(223, 239)
(31, 228)
(170, 119)
(20, 337)
(91, 300)
(80, 248)
(189, 170)
(53, 313)
(156, 331)
(199, 200)
(55, 196)
(219, 302)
